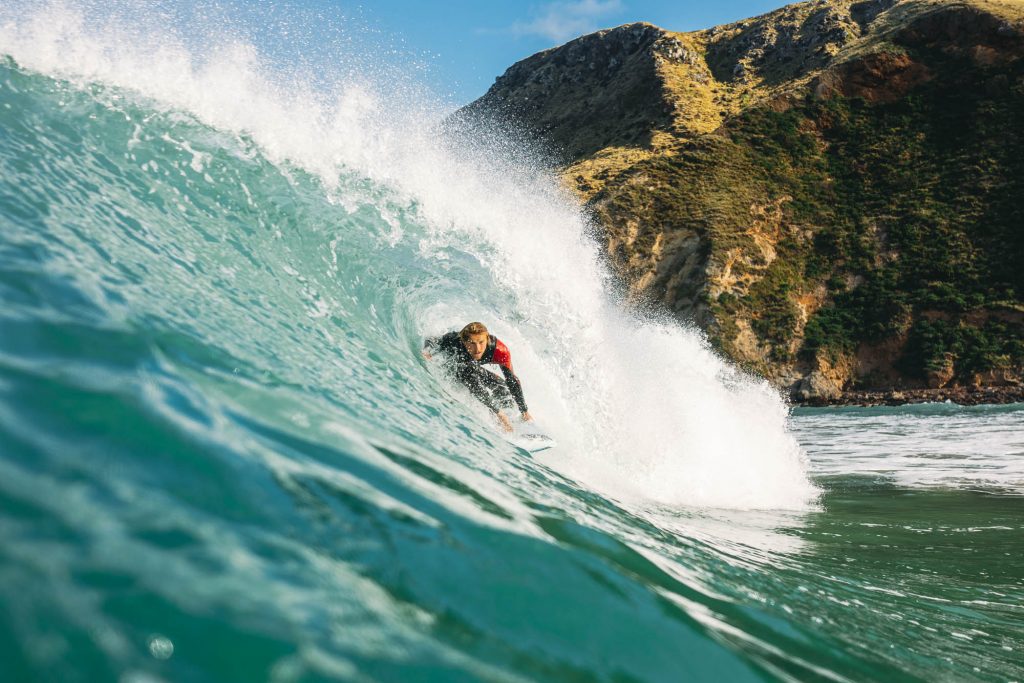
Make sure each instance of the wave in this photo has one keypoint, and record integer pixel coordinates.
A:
(328, 229)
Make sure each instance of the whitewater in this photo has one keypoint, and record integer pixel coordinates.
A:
(222, 456)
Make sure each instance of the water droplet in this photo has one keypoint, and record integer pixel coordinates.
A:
(160, 647)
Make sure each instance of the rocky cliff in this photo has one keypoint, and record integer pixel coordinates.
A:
(832, 190)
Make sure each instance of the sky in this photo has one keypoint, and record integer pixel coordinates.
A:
(464, 45)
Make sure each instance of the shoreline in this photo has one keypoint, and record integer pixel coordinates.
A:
(965, 396)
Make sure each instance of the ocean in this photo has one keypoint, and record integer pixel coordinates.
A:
(222, 457)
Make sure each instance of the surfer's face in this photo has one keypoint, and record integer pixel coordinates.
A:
(475, 345)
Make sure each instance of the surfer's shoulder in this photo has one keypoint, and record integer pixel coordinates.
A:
(444, 342)
(449, 342)
(502, 356)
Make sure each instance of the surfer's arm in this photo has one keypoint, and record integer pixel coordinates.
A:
(469, 376)
(430, 345)
(515, 387)
(503, 419)
(503, 357)
(471, 380)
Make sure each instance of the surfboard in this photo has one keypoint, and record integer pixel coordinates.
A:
(534, 442)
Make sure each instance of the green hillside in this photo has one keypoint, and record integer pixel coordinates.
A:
(833, 190)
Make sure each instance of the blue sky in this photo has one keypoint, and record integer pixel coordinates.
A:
(467, 44)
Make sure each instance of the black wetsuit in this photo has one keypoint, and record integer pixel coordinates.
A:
(483, 384)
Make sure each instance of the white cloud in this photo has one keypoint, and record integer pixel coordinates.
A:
(560, 21)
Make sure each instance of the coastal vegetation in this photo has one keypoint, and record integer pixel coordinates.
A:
(832, 190)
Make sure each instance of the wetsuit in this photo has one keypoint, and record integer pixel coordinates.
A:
(484, 385)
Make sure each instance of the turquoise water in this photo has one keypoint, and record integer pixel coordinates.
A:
(221, 457)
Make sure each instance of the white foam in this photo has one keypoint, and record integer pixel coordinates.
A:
(925, 446)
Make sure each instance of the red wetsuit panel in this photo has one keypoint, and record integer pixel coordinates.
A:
(501, 356)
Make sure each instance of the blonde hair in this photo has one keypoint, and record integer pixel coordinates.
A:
(471, 330)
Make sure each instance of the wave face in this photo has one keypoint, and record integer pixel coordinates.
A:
(222, 458)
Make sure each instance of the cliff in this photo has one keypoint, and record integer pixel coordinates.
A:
(831, 190)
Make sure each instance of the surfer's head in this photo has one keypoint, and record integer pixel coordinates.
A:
(474, 337)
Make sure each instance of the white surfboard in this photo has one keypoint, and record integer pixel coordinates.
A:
(534, 442)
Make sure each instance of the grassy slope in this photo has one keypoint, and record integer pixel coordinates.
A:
(913, 224)
(833, 186)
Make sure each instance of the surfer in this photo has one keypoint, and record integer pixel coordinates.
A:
(466, 353)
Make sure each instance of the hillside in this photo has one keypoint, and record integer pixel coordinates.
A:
(831, 190)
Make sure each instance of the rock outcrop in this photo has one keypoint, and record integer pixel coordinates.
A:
(832, 190)
(599, 91)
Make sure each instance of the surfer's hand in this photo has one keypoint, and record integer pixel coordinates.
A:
(503, 419)
(426, 355)
(527, 417)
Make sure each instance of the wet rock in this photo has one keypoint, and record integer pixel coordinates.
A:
(816, 388)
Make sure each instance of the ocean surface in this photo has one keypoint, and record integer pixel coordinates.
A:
(222, 457)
